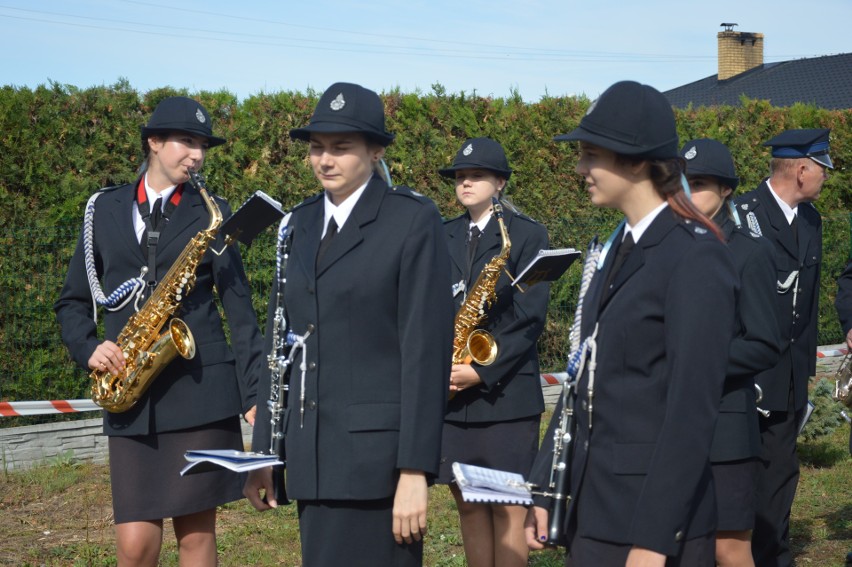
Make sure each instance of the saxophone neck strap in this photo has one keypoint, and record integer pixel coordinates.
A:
(151, 236)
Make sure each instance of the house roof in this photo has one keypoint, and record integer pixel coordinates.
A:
(823, 81)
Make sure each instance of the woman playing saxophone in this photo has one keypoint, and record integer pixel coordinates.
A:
(193, 404)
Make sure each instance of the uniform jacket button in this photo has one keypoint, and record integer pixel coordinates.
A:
(585, 405)
(312, 405)
(679, 535)
(312, 365)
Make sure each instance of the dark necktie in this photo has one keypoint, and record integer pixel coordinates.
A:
(157, 213)
(473, 240)
(326, 240)
(620, 255)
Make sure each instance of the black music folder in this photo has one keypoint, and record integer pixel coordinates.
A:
(547, 266)
(258, 212)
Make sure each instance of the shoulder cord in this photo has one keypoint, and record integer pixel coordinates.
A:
(579, 351)
(123, 293)
(792, 279)
(294, 341)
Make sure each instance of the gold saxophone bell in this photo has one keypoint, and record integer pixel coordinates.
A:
(481, 347)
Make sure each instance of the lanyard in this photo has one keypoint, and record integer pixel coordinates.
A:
(151, 236)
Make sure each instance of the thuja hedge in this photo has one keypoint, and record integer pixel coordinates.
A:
(60, 143)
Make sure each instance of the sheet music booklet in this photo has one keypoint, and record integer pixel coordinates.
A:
(481, 484)
(547, 266)
(258, 212)
(237, 461)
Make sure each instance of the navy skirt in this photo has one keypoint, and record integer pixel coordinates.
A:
(502, 445)
(145, 473)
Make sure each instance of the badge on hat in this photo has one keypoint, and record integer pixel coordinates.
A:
(338, 103)
(591, 107)
(468, 150)
(200, 116)
(691, 153)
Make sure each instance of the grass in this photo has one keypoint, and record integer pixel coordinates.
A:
(60, 514)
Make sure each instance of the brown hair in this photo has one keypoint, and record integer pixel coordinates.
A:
(667, 175)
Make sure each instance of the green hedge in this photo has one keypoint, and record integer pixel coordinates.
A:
(60, 143)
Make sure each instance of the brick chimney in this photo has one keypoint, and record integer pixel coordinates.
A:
(738, 52)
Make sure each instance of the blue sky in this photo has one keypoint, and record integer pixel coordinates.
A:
(535, 47)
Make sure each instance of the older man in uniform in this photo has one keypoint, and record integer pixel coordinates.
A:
(781, 210)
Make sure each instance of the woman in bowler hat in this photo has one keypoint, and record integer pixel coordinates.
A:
(755, 348)
(192, 404)
(368, 273)
(493, 417)
(658, 319)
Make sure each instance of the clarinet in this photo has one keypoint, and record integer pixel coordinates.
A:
(559, 483)
(558, 486)
(281, 362)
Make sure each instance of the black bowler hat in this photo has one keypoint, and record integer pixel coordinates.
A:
(480, 153)
(804, 143)
(345, 107)
(181, 114)
(711, 158)
(629, 119)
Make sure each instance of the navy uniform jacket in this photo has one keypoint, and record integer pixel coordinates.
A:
(797, 323)
(640, 472)
(843, 302)
(510, 386)
(377, 361)
(756, 345)
(215, 384)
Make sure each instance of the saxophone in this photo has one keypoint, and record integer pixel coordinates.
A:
(470, 343)
(843, 382)
(147, 352)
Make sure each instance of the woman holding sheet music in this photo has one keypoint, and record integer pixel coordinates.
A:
(193, 404)
(658, 319)
(493, 417)
(368, 274)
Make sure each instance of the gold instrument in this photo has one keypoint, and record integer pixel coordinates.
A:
(146, 352)
(470, 343)
(843, 382)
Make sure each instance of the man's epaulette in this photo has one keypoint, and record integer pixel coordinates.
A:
(110, 188)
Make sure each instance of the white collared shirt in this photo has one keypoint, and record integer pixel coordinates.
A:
(138, 223)
(789, 212)
(641, 226)
(483, 222)
(342, 211)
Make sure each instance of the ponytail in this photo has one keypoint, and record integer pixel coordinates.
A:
(666, 175)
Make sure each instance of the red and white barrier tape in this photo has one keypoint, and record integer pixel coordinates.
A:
(15, 409)
(554, 378)
(829, 351)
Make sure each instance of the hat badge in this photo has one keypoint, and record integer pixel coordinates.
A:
(691, 153)
(338, 102)
(468, 150)
(200, 116)
(592, 107)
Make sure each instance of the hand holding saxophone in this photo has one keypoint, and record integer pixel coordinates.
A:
(107, 357)
(462, 377)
